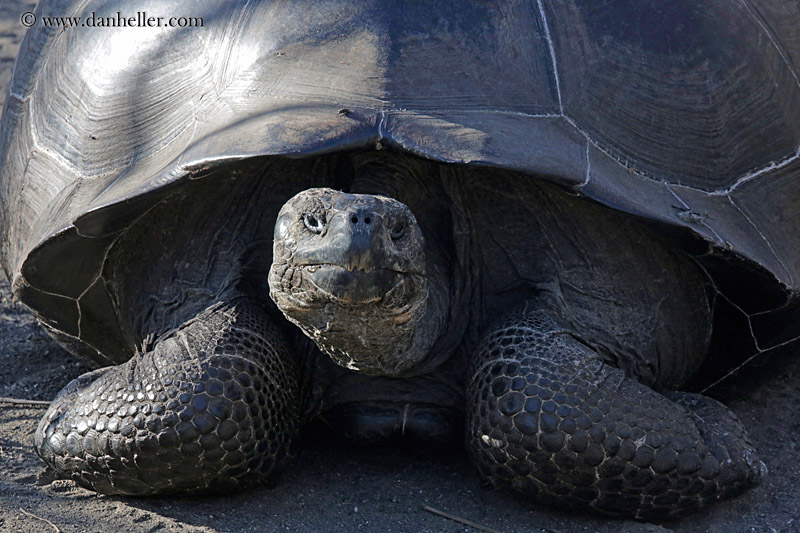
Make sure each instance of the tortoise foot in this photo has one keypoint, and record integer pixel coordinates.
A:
(210, 408)
(552, 422)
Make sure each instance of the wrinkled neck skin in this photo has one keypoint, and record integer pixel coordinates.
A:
(379, 340)
(374, 302)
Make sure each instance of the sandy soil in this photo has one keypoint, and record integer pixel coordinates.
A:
(332, 486)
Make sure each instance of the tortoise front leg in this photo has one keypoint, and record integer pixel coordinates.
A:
(212, 407)
(551, 421)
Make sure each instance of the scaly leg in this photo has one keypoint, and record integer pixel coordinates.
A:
(210, 408)
(551, 421)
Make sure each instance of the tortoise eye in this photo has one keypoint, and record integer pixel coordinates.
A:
(397, 230)
(314, 224)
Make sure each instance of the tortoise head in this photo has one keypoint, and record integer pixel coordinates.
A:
(350, 271)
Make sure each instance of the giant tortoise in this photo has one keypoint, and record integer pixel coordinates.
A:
(510, 222)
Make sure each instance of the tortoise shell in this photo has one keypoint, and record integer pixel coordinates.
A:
(684, 114)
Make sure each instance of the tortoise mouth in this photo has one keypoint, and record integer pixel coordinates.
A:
(353, 286)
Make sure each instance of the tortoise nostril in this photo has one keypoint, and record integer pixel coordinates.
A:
(361, 217)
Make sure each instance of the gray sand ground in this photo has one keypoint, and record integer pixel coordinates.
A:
(331, 486)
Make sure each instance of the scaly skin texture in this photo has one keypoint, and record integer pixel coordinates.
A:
(212, 407)
(548, 419)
